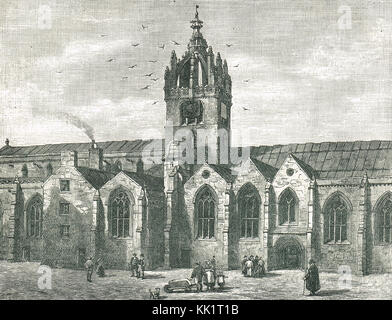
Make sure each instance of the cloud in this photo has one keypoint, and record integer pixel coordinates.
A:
(348, 54)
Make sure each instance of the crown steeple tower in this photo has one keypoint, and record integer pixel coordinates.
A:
(198, 88)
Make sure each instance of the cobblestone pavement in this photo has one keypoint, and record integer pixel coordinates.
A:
(20, 281)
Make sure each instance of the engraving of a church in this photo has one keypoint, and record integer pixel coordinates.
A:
(330, 201)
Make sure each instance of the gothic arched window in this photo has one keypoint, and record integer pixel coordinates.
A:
(248, 208)
(119, 207)
(383, 219)
(335, 219)
(205, 214)
(34, 217)
(288, 206)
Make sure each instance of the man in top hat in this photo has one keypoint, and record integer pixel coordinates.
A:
(89, 265)
(312, 278)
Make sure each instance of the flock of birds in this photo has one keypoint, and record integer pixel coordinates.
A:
(149, 75)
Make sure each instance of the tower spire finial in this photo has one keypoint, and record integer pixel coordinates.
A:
(196, 23)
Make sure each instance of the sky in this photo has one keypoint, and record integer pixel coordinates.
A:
(302, 71)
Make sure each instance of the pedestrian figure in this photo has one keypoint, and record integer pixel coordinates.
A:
(243, 263)
(198, 274)
(256, 266)
(134, 264)
(261, 267)
(141, 267)
(100, 268)
(213, 262)
(249, 267)
(213, 265)
(209, 279)
(312, 278)
(89, 265)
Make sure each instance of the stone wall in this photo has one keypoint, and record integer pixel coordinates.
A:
(6, 197)
(68, 251)
(238, 247)
(379, 254)
(332, 255)
(203, 249)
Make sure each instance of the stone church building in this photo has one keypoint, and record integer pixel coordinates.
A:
(330, 201)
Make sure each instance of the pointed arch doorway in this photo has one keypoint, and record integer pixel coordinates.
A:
(289, 253)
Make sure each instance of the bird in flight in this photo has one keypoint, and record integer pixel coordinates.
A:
(145, 88)
(247, 80)
(110, 60)
(176, 43)
(155, 102)
(162, 46)
(135, 44)
(133, 66)
(124, 78)
(153, 61)
(246, 109)
(144, 27)
(228, 45)
(236, 66)
(104, 35)
(154, 79)
(59, 71)
(149, 74)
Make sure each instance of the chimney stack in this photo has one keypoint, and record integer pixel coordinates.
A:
(140, 167)
(95, 157)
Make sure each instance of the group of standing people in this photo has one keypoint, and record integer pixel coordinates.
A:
(137, 266)
(253, 266)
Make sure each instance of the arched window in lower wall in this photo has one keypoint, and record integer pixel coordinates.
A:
(205, 214)
(34, 217)
(383, 219)
(119, 207)
(335, 219)
(288, 207)
(248, 209)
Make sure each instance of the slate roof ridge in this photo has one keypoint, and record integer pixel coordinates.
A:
(223, 170)
(275, 146)
(143, 179)
(97, 178)
(265, 168)
(42, 149)
(307, 168)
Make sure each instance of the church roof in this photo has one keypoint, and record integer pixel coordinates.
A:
(223, 171)
(326, 160)
(125, 146)
(96, 178)
(333, 160)
(265, 169)
(150, 182)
